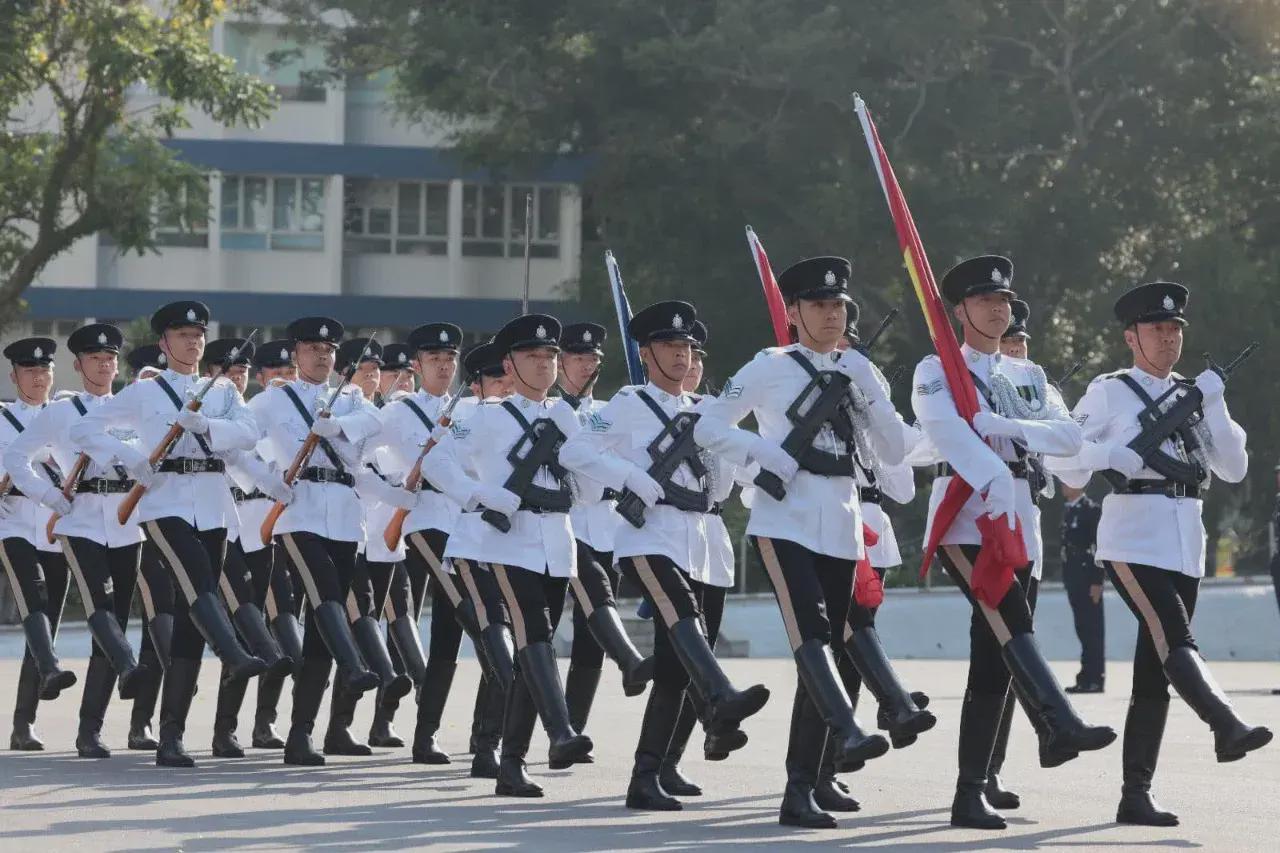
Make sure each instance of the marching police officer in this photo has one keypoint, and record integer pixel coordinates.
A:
(1020, 416)
(1151, 534)
(37, 571)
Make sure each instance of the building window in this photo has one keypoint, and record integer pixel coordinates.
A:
(285, 214)
(173, 227)
(265, 52)
(493, 219)
(402, 218)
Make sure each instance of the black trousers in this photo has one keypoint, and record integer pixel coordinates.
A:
(276, 587)
(1090, 627)
(237, 581)
(674, 596)
(480, 585)
(535, 601)
(155, 582)
(392, 595)
(105, 576)
(990, 628)
(39, 583)
(595, 586)
(1164, 602)
(813, 590)
(195, 558)
(424, 561)
(362, 597)
(857, 617)
(325, 567)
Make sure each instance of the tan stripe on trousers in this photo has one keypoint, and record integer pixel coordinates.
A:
(659, 595)
(580, 593)
(228, 592)
(148, 603)
(73, 560)
(1147, 610)
(513, 604)
(313, 592)
(998, 626)
(273, 610)
(171, 557)
(388, 612)
(419, 543)
(21, 599)
(353, 606)
(482, 613)
(771, 565)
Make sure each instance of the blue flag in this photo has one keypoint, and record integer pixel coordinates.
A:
(630, 349)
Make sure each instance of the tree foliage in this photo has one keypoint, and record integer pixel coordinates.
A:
(78, 153)
(1099, 144)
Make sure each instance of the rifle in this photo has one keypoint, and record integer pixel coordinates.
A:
(1159, 425)
(68, 492)
(394, 530)
(1071, 372)
(309, 445)
(833, 393)
(130, 502)
(543, 447)
(865, 349)
(679, 449)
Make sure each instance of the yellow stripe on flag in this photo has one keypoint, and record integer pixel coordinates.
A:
(909, 262)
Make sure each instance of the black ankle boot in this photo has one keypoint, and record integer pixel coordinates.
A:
(645, 790)
(225, 719)
(178, 690)
(849, 744)
(53, 678)
(898, 711)
(353, 676)
(265, 735)
(99, 681)
(337, 738)
(806, 739)
(1143, 733)
(252, 626)
(431, 701)
(997, 795)
(308, 693)
(670, 776)
(1232, 737)
(637, 670)
(517, 730)
(538, 666)
(211, 620)
(486, 732)
(299, 750)
(24, 737)
(141, 738)
(979, 719)
(726, 706)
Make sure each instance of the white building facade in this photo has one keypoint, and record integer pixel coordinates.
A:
(331, 207)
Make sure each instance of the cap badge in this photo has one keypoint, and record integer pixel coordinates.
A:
(401, 358)
(997, 276)
(830, 278)
(586, 336)
(38, 353)
(284, 355)
(367, 351)
(324, 331)
(191, 314)
(1168, 303)
(235, 351)
(540, 332)
(677, 322)
(102, 338)
(444, 336)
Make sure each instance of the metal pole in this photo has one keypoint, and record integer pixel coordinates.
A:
(528, 245)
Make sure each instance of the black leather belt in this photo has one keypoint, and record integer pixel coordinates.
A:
(316, 474)
(103, 486)
(192, 466)
(1168, 488)
(870, 495)
(14, 492)
(1018, 468)
(609, 494)
(717, 508)
(241, 495)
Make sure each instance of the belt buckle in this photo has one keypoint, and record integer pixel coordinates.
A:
(101, 487)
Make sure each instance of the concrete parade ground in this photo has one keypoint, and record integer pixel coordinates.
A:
(56, 801)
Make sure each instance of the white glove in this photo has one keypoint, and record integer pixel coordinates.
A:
(326, 427)
(990, 424)
(497, 499)
(192, 421)
(774, 459)
(644, 487)
(278, 490)
(858, 367)
(438, 434)
(1211, 386)
(54, 500)
(138, 466)
(1121, 458)
(1000, 499)
(401, 498)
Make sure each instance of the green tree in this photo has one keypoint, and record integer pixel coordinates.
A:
(78, 153)
(1098, 144)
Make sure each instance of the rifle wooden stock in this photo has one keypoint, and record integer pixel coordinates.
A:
(68, 492)
(130, 502)
(395, 527)
(300, 461)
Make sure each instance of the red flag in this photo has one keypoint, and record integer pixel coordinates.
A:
(1003, 548)
(868, 589)
(772, 295)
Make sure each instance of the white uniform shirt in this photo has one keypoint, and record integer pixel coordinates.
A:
(896, 483)
(474, 452)
(26, 517)
(593, 517)
(616, 442)
(202, 500)
(401, 441)
(972, 458)
(329, 510)
(92, 516)
(1151, 530)
(818, 513)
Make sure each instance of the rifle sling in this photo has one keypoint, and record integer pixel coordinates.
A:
(307, 419)
(534, 497)
(810, 458)
(54, 477)
(676, 495)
